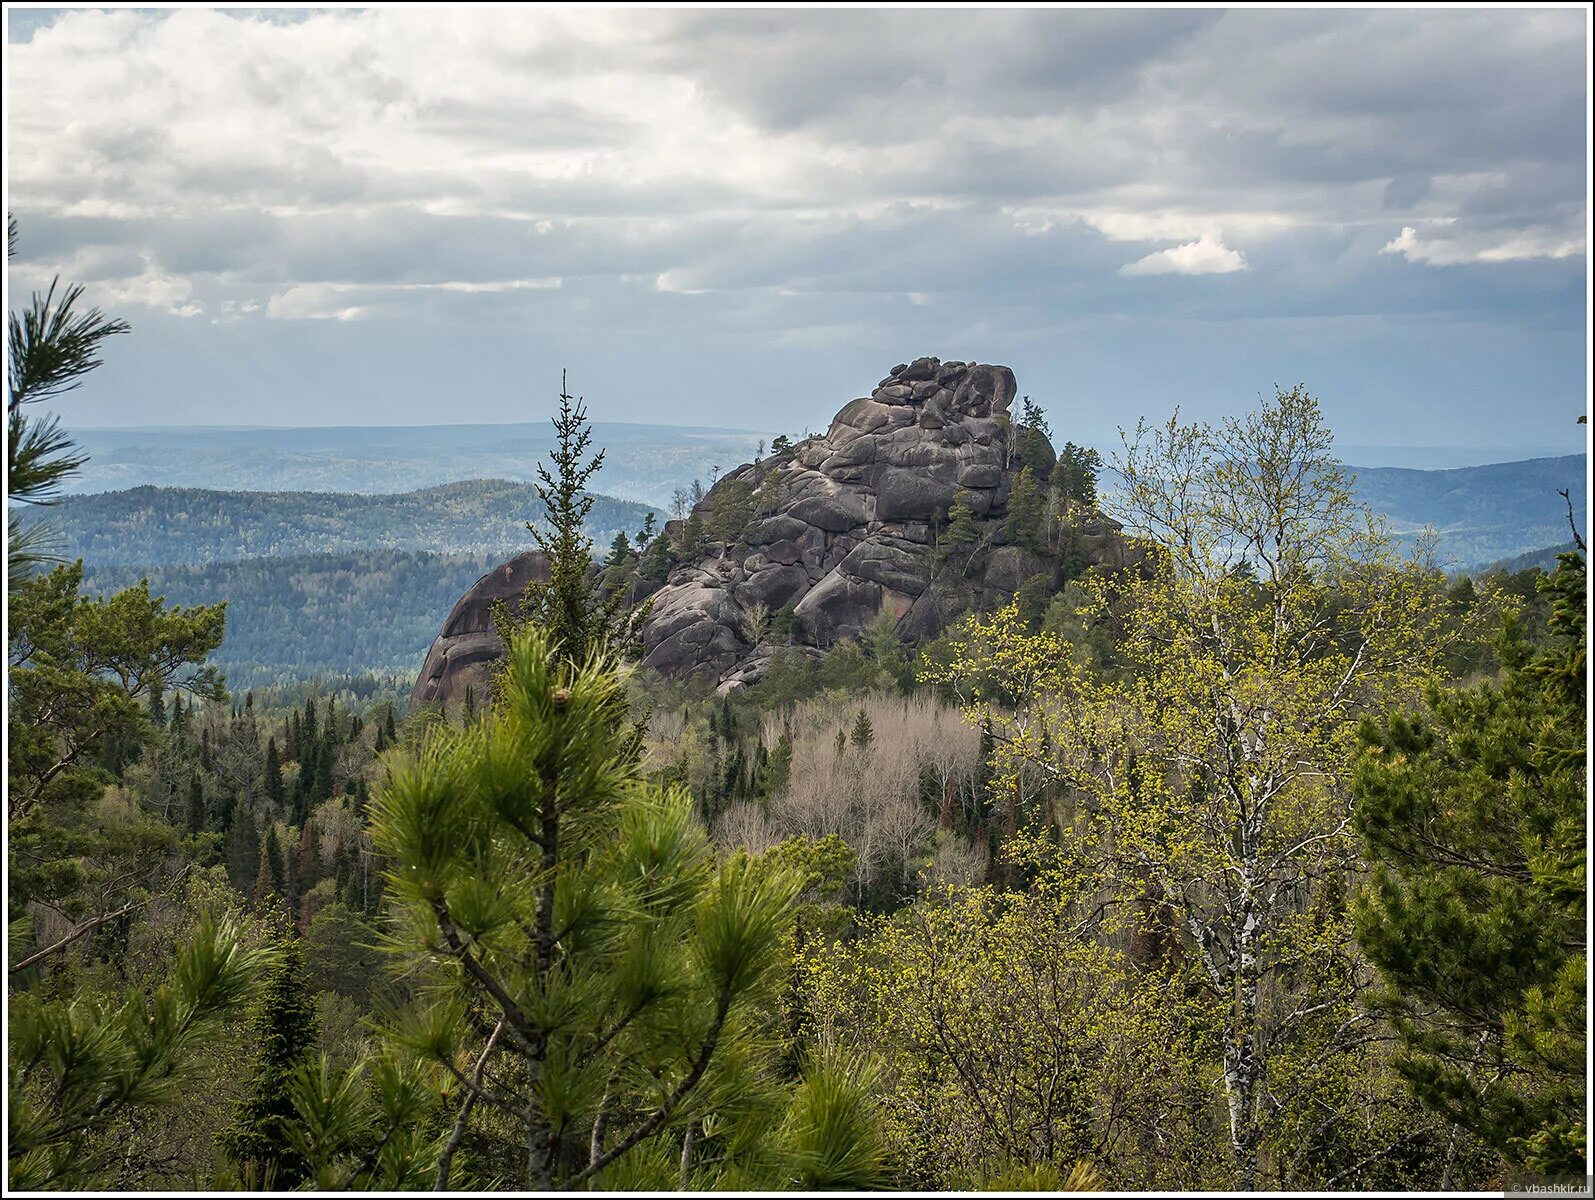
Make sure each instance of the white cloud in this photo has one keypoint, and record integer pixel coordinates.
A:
(1204, 256)
(313, 302)
(1458, 245)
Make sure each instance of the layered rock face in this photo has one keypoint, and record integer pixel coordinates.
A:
(847, 525)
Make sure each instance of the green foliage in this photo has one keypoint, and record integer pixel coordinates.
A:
(1033, 596)
(77, 1064)
(51, 347)
(541, 882)
(375, 1126)
(164, 527)
(1025, 510)
(1074, 478)
(82, 675)
(730, 509)
(576, 620)
(961, 531)
(284, 1037)
(1473, 811)
(619, 551)
(1007, 1034)
(863, 733)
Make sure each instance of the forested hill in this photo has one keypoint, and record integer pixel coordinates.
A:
(162, 526)
(1482, 513)
(315, 616)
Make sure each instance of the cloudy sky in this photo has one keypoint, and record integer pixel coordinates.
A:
(744, 218)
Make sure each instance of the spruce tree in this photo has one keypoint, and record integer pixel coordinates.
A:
(324, 780)
(277, 867)
(863, 736)
(196, 804)
(1074, 477)
(243, 850)
(260, 1139)
(1025, 508)
(780, 772)
(274, 787)
(1473, 813)
(577, 621)
(961, 529)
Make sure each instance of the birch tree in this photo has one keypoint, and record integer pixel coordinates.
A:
(1271, 613)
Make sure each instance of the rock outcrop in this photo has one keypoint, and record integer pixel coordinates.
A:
(827, 534)
(465, 650)
(848, 524)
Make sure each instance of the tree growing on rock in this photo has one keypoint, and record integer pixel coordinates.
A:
(962, 532)
(1025, 512)
(730, 510)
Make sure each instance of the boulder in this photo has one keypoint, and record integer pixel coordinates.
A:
(465, 649)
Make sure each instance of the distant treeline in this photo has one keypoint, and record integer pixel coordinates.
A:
(316, 616)
(163, 526)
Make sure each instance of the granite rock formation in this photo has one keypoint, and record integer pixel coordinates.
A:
(835, 530)
(847, 524)
(464, 652)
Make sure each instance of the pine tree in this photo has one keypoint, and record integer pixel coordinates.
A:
(274, 786)
(51, 348)
(196, 804)
(389, 729)
(544, 883)
(566, 607)
(1025, 507)
(863, 736)
(285, 1033)
(619, 551)
(1473, 812)
(961, 529)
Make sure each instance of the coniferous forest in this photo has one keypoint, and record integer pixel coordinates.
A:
(935, 803)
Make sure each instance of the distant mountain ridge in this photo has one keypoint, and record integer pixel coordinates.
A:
(1482, 513)
(641, 462)
(161, 526)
